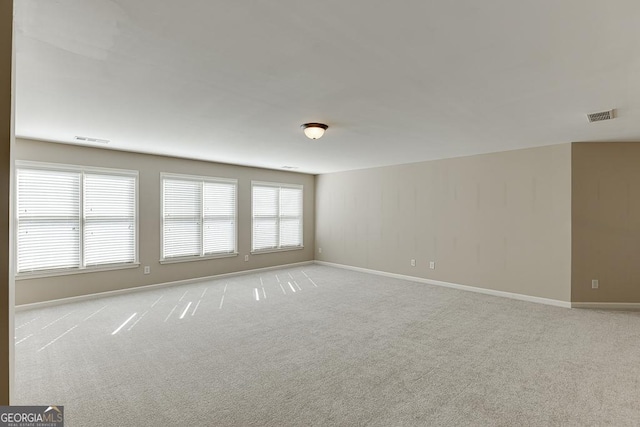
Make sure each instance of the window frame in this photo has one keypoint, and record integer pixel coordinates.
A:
(201, 179)
(279, 248)
(82, 170)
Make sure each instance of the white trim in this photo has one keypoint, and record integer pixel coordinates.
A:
(106, 294)
(279, 186)
(607, 305)
(82, 170)
(201, 179)
(39, 274)
(512, 295)
(197, 178)
(177, 260)
(274, 250)
(29, 164)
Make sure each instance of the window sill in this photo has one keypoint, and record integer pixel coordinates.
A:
(196, 258)
(53, 273)
(269, 251)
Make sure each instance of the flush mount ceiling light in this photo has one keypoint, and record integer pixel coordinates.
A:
(314, 130)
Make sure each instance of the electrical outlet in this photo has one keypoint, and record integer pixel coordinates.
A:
(246, 258)
(319, 250)
(595, 284)
(413, 263)
(147, 269)
(432, 265)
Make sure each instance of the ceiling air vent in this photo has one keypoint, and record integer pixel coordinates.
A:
(289, 167)
(87, 139)
(600, 116)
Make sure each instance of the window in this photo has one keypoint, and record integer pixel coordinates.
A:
(198, 217)
(277, 216)
(74, 218)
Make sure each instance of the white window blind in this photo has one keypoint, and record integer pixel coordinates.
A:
(265, 217)
(219, 218)
(277, 216)
(48, 204)
(109, 219)
(74, 218)
(199, 217)
(182, 207)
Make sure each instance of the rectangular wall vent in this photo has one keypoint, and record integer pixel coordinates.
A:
(600, 116)
(87, 139)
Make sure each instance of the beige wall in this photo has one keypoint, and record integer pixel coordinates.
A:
(542, 222)
(499, 221)
(6, 147)
(150, 167)
(606, 222)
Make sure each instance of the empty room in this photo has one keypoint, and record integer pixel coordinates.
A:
(300, 213)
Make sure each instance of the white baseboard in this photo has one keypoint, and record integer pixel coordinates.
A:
(150, 287)
(607, 305)
(511, 295)
(521, 297)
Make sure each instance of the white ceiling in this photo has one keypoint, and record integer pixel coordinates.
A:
(396, 82)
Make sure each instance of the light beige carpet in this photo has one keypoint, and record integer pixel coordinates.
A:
(324, 346)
